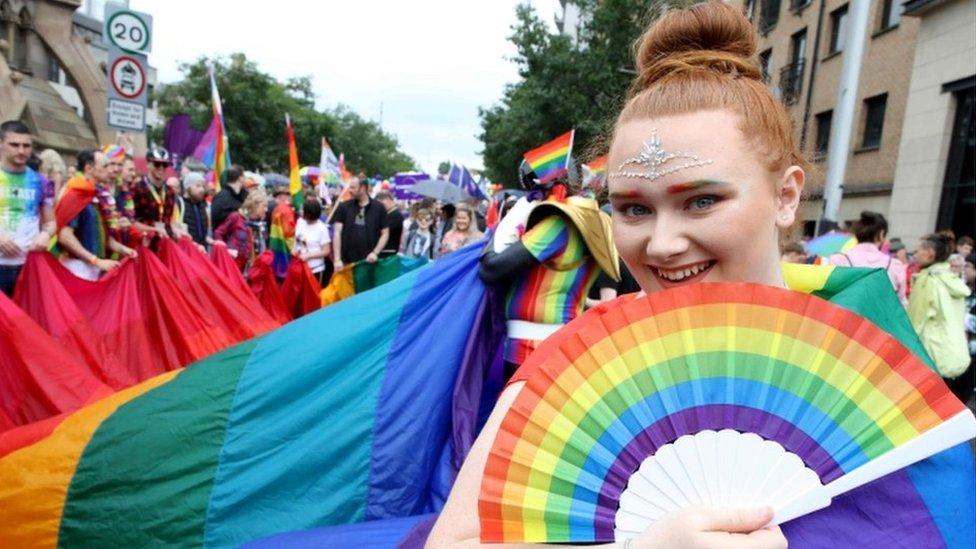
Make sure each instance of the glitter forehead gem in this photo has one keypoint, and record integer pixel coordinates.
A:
(654, 157)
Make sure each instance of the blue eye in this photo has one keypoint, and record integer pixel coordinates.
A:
(702, 202)
(634, 210)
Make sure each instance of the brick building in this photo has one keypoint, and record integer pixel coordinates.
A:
(801, 53)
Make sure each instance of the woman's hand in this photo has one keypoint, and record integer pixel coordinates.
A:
(713, 527)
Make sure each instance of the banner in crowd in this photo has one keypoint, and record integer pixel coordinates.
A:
(348, 414)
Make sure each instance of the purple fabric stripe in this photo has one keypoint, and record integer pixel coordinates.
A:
(697, 419)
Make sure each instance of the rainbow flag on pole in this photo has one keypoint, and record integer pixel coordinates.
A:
(595, 172)
(294, 179)
(552, 159)
(216, 153)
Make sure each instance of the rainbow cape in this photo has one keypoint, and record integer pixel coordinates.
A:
(356, 412)
(551, 160)
(940, 492)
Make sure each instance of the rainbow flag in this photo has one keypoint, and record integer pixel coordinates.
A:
(214, 150)
(294, 179)
(831, 243)
(278, 433)
(552, 159)
(595, 172)
(362, 276)
(281, 238)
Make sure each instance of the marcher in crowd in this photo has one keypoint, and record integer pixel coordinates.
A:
(394, 222)
(419, 241)
(53, 169)
(230, 197)
(312, 242)
(359, 227)
(196, 220)
(793, 252)
(26, 204)
(241, 232)
(936, 307)
(465, 230)
(871, 230)
(154, 200)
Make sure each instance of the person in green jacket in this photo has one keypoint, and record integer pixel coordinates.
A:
(936, 306)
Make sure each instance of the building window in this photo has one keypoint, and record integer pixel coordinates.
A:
(53, 69)
(769, 15)
(764, 64)
(823, 134)
(838, 29)
(874, 121)
(791, 76)
(749, 9)
(796, 6)
(891, 13)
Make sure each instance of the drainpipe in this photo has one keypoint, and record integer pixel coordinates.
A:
(842, 125)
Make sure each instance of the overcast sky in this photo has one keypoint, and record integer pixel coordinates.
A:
(428, 63)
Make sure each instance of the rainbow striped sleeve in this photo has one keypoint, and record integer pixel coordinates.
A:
(547, 238)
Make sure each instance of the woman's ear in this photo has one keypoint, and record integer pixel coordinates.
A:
(789, 190)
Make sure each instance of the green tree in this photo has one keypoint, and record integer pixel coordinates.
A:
(565, 84)
(443, 168)
(254, 105)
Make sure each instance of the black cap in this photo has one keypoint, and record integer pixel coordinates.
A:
(158, 154)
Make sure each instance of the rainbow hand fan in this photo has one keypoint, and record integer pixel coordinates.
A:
(719, 394)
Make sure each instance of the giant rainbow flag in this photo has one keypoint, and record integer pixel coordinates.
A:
(285, 431)
(551, 161)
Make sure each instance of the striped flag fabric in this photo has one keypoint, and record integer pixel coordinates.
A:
(595, 172)
(461, 177)
(213, 150)
(280, 432)
(294, 179)
(551, 161)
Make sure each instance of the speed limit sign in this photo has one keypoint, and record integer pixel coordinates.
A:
(126, 29)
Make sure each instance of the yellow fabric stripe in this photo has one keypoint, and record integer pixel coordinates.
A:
(806, 278)
(34, 480)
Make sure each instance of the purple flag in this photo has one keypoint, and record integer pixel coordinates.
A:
(402, 183)
(180, 138)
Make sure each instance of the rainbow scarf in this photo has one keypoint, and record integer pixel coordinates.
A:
(282, 432)
(551, 161)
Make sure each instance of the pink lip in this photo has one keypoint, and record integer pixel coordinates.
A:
(665, 283)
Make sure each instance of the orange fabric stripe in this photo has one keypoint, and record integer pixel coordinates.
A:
(34, 480)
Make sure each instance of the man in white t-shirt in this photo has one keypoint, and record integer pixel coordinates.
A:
(312, 241)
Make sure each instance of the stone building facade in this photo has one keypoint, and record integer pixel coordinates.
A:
(52, 74)
(801, 51)
(935, 177)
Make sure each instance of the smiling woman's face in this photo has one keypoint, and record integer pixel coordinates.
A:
(717, 222)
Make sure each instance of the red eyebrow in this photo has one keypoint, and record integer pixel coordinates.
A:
(691, 185)
(626, 194)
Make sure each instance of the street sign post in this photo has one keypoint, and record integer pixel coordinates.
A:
(128, 35)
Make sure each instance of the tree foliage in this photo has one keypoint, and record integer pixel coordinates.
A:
(565, 83)
(255, 104)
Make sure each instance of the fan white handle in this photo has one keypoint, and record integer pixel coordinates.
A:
(956, 430)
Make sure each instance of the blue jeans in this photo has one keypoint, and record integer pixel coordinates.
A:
(8, 278)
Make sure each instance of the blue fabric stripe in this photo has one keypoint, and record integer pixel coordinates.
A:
(412, 424)
(297, 449)
(950, 499)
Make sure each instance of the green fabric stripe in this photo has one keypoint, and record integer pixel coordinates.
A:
(868, 292)
(116, 501)
(367, 276)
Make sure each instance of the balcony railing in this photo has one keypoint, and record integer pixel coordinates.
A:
(791, 82)
(797, 6)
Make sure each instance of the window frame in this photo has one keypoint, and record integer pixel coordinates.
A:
(870, 106)
(887, 8)
(822, 146)
(838, 38)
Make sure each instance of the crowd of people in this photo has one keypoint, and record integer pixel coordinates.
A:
(936, 283)
(103, 211)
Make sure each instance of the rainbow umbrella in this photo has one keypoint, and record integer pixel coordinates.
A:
(830, 243)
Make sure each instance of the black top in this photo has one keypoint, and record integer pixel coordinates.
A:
(361, 226)
(394, 220)
(195, 219)
(225, 203)
(627, 284)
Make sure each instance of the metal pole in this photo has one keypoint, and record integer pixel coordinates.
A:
(843, 119)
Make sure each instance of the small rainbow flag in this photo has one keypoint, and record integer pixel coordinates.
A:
(552, 159)
(595, 172)
(294, 179)
(216, 153)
